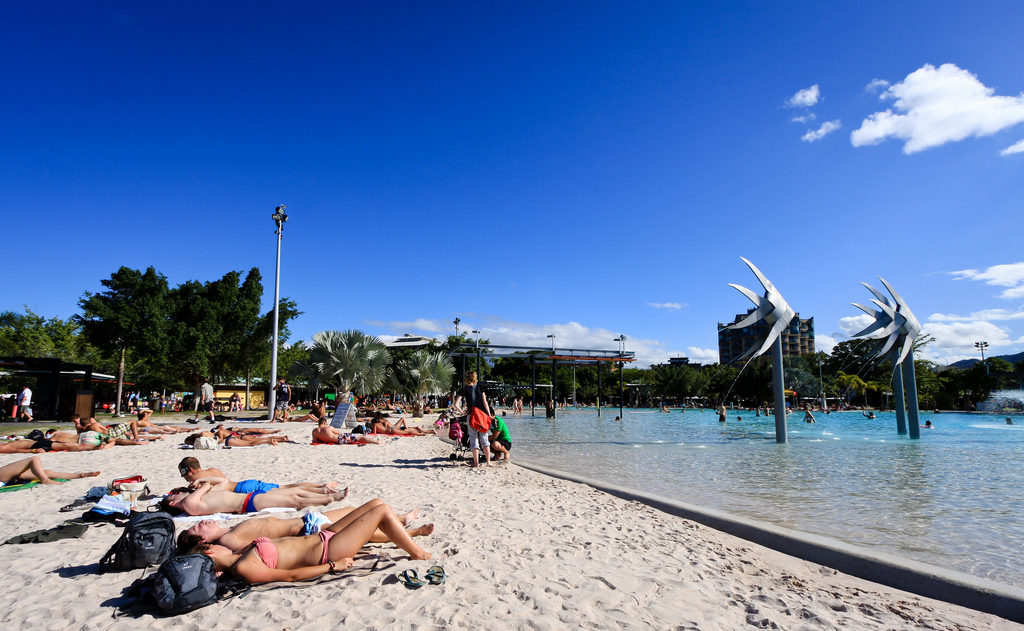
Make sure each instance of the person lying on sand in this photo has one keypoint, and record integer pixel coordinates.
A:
(193, 473)
(241, 535)
(150, 427)
(324, 433)
(204, 500)
(31, 469)
(383, 426)
(120, 434)
(233, 438)
(29, 446)
(301, 558)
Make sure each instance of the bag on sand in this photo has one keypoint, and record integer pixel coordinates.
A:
(479, 420)
(455, 431)
(148, 539)
(184, 583)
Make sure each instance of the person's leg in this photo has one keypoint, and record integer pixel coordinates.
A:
(296, 497)
(63, 475)
(355, 529)
(14, 471)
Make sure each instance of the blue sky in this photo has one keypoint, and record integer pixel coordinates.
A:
(579, 169)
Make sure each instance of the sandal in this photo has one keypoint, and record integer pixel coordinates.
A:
(435, 575)
(411, 579)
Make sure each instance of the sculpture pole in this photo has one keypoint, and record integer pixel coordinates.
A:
(910, 385)
(899, 401)
(780, 392)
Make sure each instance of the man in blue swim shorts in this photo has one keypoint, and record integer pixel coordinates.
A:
(190, 469)
(205, 500)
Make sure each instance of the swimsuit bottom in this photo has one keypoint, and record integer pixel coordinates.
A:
(248, 486)
(250, 504)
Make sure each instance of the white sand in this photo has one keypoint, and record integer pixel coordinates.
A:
(522, 551)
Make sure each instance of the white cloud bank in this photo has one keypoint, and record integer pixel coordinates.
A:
(1010, 275)
(805, 98)
(934, 106)
(817, 134)
(570, 335)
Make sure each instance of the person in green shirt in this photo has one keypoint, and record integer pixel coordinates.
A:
(501, 440)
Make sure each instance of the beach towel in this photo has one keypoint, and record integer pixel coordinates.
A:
(26, 485)
(188, 519)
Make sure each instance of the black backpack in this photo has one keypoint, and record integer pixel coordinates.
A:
(184, 583)
(148, 539)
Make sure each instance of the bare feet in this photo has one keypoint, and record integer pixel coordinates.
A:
(410, 517)
(421, 531)
(422, 555)
(340, 495)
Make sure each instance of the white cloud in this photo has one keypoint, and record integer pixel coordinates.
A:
(702, 355)
(855, 324)
(804, 118)
(876, 85)
(1010, 275)
(985, 314)
(824, 343)
(939, 105)
(959, 337)
(817, 134)
(1017, 147)
(674, 306)
(421, 324)
(805, 98)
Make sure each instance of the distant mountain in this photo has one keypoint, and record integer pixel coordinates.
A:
(967, 363)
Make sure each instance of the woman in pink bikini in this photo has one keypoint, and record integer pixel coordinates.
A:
(301, 558)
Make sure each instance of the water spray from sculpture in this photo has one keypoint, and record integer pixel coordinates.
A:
(776, 312)
(895, 322)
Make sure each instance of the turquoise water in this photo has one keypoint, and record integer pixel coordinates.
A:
(954, 498)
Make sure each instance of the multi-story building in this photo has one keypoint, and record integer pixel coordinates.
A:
(797, 339)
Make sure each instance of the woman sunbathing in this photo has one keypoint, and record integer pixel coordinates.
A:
(31, 469)
(384, 426)
(301, 558)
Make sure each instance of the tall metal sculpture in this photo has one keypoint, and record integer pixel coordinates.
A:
(775, 311)
(896, 323)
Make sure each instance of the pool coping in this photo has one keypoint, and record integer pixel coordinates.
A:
(911, 576)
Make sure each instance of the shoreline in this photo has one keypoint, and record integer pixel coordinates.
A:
(522, 550)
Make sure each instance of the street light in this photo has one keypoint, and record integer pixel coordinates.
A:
(477, 334)
(456, 322)
(552, 336)
(279, 218)
(981, 346)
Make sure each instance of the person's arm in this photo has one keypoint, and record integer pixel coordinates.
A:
(253, 573)
(487, 404)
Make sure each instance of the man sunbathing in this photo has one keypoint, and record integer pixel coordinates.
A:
(192, 471)
(316, 412)
(324, 433)
(383, 426)
(31, 469)
(204, 500)
(241, 535)
(120, 434)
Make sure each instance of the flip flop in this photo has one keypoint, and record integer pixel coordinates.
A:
(435, 575)
(411, 579)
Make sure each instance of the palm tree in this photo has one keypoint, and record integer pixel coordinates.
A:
(351, 361)
(420, 374)
(852, 384)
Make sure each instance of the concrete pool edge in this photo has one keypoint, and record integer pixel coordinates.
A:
(915, 577)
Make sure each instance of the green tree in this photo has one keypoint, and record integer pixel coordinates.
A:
(420, 374)
(31, 335)
(130, 315)
(351, 361)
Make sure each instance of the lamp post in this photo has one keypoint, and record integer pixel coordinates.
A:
(456, 323)
(552, 336)
(622, 349)
(477, 334)
(981, 346)
(279, 218)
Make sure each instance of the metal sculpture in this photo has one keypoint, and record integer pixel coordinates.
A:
(776, 312)
(896, 323)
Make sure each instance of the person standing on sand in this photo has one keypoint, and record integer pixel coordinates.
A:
(25, 404)
(475, 398)
(281, 402)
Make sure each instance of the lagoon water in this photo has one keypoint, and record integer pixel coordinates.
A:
(954, 498)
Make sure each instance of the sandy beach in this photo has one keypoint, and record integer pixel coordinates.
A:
(521, 551)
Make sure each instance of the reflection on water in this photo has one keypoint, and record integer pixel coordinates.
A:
(954, 498)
